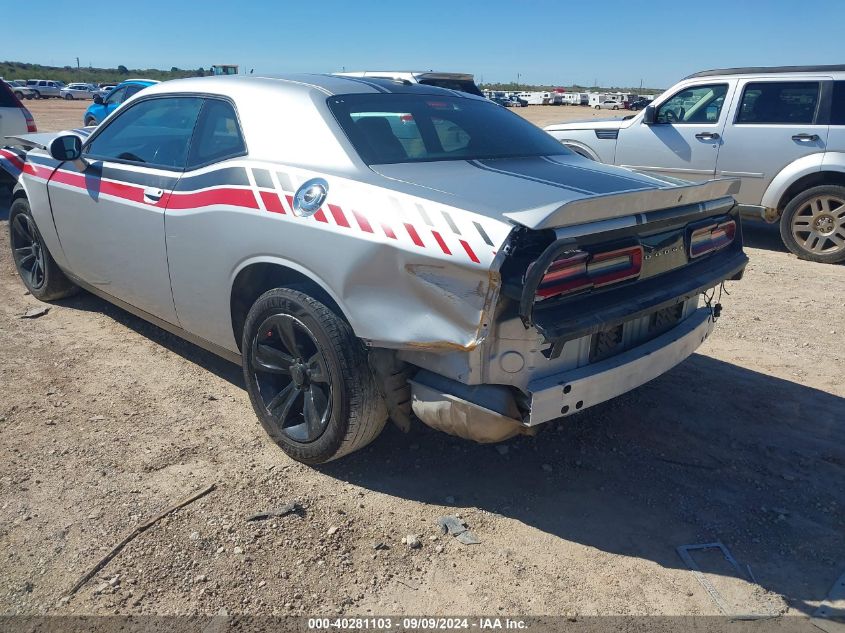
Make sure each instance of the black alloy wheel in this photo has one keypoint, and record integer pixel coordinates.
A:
(292, 377)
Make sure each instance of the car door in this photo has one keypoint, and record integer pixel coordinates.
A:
(773, 123)
(684, 139)
(110, 218)
(209, 199)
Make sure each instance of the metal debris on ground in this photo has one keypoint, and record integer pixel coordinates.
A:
(282, 511)
(34, 313)
(450, 524)
(684, 553)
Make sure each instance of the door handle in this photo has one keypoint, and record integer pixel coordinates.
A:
(707, 136)
(152, 195)
(805, 138)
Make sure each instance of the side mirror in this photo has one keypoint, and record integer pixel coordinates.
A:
(648, 115)
(98, 99)
(68, 147)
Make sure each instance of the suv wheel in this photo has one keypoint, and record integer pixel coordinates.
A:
(308, 378)
(36, 94)
(36, 267)
(813, 224)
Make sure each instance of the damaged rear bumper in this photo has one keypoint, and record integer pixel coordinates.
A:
(488, 413)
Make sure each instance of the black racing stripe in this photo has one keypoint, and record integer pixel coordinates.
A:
(225, 176)
(142, 179)
(480, 165)
(483, 234)
(550, 159)
(577, 178)
(262, 178)
(368, 83)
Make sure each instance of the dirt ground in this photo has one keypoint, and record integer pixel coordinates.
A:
(106, 420)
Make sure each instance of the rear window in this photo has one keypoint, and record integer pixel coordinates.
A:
(7, 98)
(402, 128)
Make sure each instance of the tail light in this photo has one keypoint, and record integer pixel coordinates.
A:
(579, 271)
(711, 238)
(30, 122)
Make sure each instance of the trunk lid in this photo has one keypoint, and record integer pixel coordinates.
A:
(549, 191)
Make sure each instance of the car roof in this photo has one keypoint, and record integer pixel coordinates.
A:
(766, 70)
(144, 82)
(327, 84)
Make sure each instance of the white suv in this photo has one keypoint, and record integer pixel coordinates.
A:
(781, 131)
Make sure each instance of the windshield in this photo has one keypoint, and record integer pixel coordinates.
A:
(402, 128)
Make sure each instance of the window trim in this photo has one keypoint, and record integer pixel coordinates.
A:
(123, 161)
(756, 80)
(717, 122)
(245, 152)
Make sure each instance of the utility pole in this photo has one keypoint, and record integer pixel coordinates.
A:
(517, 81)
(78, 69)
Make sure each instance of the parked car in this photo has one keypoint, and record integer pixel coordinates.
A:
(638, 104)
(44, 88)
(463, 82)
(104, 106)
(780, 130)
(78, 91)
(608, 105)
(14, 119)
(480, 275)
(20, 90)
(105, 89)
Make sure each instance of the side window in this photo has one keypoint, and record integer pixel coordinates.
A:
(132, 90)
(218, 134)
(779, 102)
(116, 96)
(696, 104)
(837, 110)
(155, 132)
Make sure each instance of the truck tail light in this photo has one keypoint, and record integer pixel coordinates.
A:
(711, 238)
(578, 271)
(30, 122)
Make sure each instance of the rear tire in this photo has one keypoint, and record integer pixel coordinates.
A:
(813, 224)
(308, 378)
(89, 122)
(36, 267)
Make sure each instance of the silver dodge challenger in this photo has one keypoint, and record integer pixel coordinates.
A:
(369, 249)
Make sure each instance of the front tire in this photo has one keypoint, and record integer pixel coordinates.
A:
(90, 121)
(308, 378)
(37, 94)
(813, 224)
(36, 267)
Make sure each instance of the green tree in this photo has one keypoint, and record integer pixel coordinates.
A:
(123, 70)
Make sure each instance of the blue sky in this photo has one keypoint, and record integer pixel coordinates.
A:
(546, 42)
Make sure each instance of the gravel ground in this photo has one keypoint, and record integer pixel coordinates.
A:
(106, 420)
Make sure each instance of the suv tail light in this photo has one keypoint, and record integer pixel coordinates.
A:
(30, 122)
(711, 238)
(578, 271)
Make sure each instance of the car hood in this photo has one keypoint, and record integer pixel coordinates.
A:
(548, 191)
(590, 124)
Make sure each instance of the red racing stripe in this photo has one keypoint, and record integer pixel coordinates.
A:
(415, 237)
(469, 251)
(233, 197)
(320, 216)
(12, 158)
(441, 242)
(272, 202)
(388, 231)
(362, 222)
(337, 214)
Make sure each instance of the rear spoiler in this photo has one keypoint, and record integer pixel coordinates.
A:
(617, 205)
